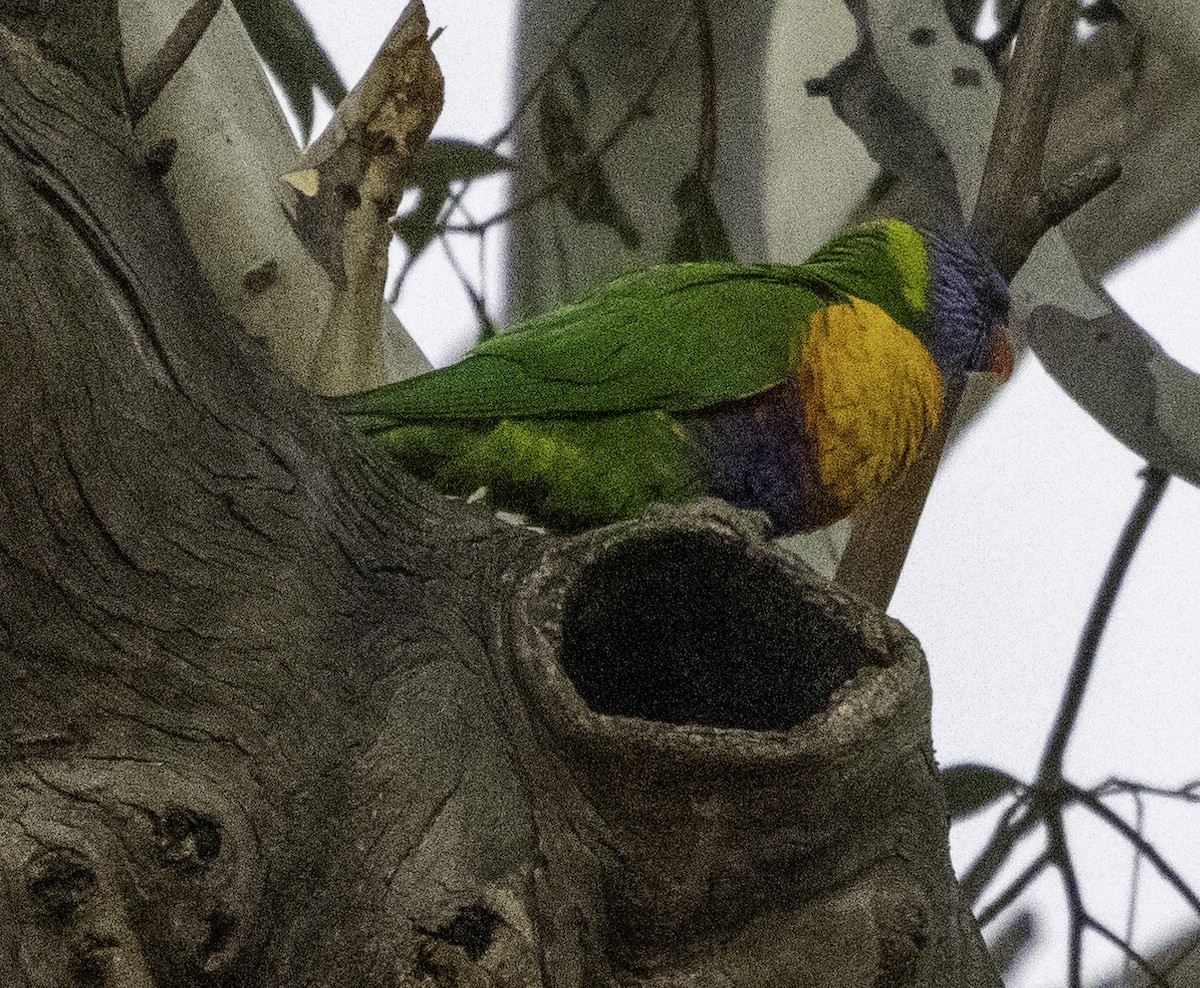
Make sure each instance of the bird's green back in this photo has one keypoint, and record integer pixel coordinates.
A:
(676, 337)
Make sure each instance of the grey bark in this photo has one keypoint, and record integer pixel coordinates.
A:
(278, 716)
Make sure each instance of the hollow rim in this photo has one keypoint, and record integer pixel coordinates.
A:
(892, 672)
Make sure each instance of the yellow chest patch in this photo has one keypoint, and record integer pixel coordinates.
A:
(872, 396)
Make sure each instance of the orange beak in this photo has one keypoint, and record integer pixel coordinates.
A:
(1000, 359)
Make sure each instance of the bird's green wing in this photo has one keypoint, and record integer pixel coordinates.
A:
(884, 262)
(677, 337)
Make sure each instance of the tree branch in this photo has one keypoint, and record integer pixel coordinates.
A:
(1136, 840)
(1012, 213)
(350, 181)
(170, 57)
(1014, 890)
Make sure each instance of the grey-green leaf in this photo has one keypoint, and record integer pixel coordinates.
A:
(971, 788)
(418, 227)
(441, 162)
(1121, 377)
(287, 44)
(701, 233)
(1011, 945)
(585, 189)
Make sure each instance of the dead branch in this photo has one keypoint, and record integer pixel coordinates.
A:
(1013, 211)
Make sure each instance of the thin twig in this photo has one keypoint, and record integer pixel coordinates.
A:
(1135, 875)
(477, 302)
(538, 84)
(1014, 890)
(527, 98)
(1013, 826)
(1060, 855)
(1051, 791)
(632, 113)
(1173, 878)
(170, 57)
(1156, 480)
(706, 152)
(1189, 792)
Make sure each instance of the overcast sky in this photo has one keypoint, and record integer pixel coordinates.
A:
(1013, 542)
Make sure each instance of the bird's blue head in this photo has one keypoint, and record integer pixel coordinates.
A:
(968, 301)
(937, 285)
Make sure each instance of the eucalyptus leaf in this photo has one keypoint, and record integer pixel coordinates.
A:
(947, 85)
(1122, 378)
(894, 130)
(585, 187)
(287, 44)
(1103, 12)
(701, 233)
(440, 163)
(971, 788)
(1011, 945)
(445, 160)
(580, 87)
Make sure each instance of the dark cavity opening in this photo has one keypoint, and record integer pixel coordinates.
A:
(685, 629)
(472, 929)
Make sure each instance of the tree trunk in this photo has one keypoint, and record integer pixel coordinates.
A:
(278, 716)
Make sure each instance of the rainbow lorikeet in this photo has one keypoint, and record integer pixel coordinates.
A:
(798, 390)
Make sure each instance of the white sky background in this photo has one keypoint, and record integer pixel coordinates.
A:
(1013, 543)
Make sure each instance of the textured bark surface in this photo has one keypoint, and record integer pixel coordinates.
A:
(277, 716)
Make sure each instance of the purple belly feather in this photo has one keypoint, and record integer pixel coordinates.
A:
(755, 453)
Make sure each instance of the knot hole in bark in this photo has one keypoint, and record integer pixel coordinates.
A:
(691, 628)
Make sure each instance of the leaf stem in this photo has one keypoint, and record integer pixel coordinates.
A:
(1050, 772)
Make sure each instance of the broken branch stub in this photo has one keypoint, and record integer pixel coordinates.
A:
(217, 140)
(363, 155)
(348, 186)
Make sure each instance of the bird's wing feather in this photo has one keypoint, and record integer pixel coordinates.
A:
(678, 337)
(885, 262)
